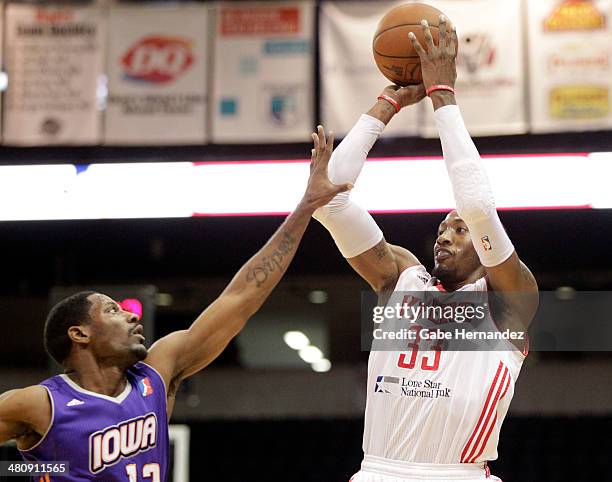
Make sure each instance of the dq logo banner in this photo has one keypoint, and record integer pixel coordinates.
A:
(158, 60)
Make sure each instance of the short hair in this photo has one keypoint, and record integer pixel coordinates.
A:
(68, 312)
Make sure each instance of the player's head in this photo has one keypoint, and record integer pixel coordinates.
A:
(455, 259)
(94, 322)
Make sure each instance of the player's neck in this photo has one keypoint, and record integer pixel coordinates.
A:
(92, 376)
(454, 286)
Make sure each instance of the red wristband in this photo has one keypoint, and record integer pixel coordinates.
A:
(391, 101)
(433, 88)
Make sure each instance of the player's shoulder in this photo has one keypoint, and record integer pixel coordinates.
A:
(480, 284)
(144, 370)
(403, 257)
(32, 395)
(29, 404)
(414, 278)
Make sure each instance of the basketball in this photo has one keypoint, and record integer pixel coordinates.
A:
(393, 51)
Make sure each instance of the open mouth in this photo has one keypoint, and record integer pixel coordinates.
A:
(441, 254)
(138, 331)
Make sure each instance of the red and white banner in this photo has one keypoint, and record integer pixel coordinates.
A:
(350, 80)
(157, 69)
(263, 73)
(570, 48)
(54, 61)
(490, 66)
(266, 187)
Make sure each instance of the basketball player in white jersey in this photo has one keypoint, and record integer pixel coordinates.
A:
(430, 413)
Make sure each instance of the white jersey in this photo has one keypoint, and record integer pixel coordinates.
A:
(437, 407)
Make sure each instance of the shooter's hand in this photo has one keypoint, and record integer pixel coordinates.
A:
(437, 61)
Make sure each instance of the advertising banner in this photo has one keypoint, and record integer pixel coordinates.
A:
(263, 72)
(570, 63)
(54, 61)
(350, 79)
(490, 87)
(157, 69)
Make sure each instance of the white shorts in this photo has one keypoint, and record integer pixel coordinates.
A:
(378, 469)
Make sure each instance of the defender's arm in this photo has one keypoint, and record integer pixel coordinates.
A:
(185, 352)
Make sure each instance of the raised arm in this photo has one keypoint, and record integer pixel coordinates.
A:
(355, 232)
(185, 352)
(474, 199)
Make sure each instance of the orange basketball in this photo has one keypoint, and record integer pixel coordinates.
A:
(393, 51)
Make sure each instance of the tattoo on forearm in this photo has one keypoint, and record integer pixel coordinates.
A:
(259, 273)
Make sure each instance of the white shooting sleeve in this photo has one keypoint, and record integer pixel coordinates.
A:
(471, 188)
(353, 229)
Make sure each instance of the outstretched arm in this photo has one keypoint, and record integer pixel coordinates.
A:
(506, 274)
(355, 232)
(185, 352)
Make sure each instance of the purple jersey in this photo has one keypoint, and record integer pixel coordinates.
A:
(111, 439)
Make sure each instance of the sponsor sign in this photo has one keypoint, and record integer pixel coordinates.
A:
(157, 70)
(490, 67)
(350, 80)
(570, 64)
(263, 75)
(54, 61)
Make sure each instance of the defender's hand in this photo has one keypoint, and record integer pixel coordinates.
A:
(437, 61)
(320, 190)
(406, 96)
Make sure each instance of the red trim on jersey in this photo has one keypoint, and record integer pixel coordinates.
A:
(484, 444)
(487, 471)
(492, 409)
(482, 414)
(526, 349)
(505, 389)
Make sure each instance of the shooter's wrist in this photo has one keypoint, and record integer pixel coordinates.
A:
(440, 98)
(384, 110)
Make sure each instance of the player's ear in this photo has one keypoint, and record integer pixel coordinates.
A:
(79, 334)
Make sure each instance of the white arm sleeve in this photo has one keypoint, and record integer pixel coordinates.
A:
(351, 226)
(471, 188)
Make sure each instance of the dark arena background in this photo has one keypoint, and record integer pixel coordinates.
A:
(260, 411)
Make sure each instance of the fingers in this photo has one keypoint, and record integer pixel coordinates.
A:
(442, 31)
(454, 43)
(427, 33)
(322, 144)
(321, 133)
(418, 48)
(420, 91)
(411, 94)
(344, 187)
(330, 141)
(315, 141)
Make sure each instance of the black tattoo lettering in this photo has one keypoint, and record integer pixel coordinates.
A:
(259, 273)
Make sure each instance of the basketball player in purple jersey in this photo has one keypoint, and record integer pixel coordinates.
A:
(107, 414)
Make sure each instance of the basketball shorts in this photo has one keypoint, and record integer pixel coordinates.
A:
(378, 469)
